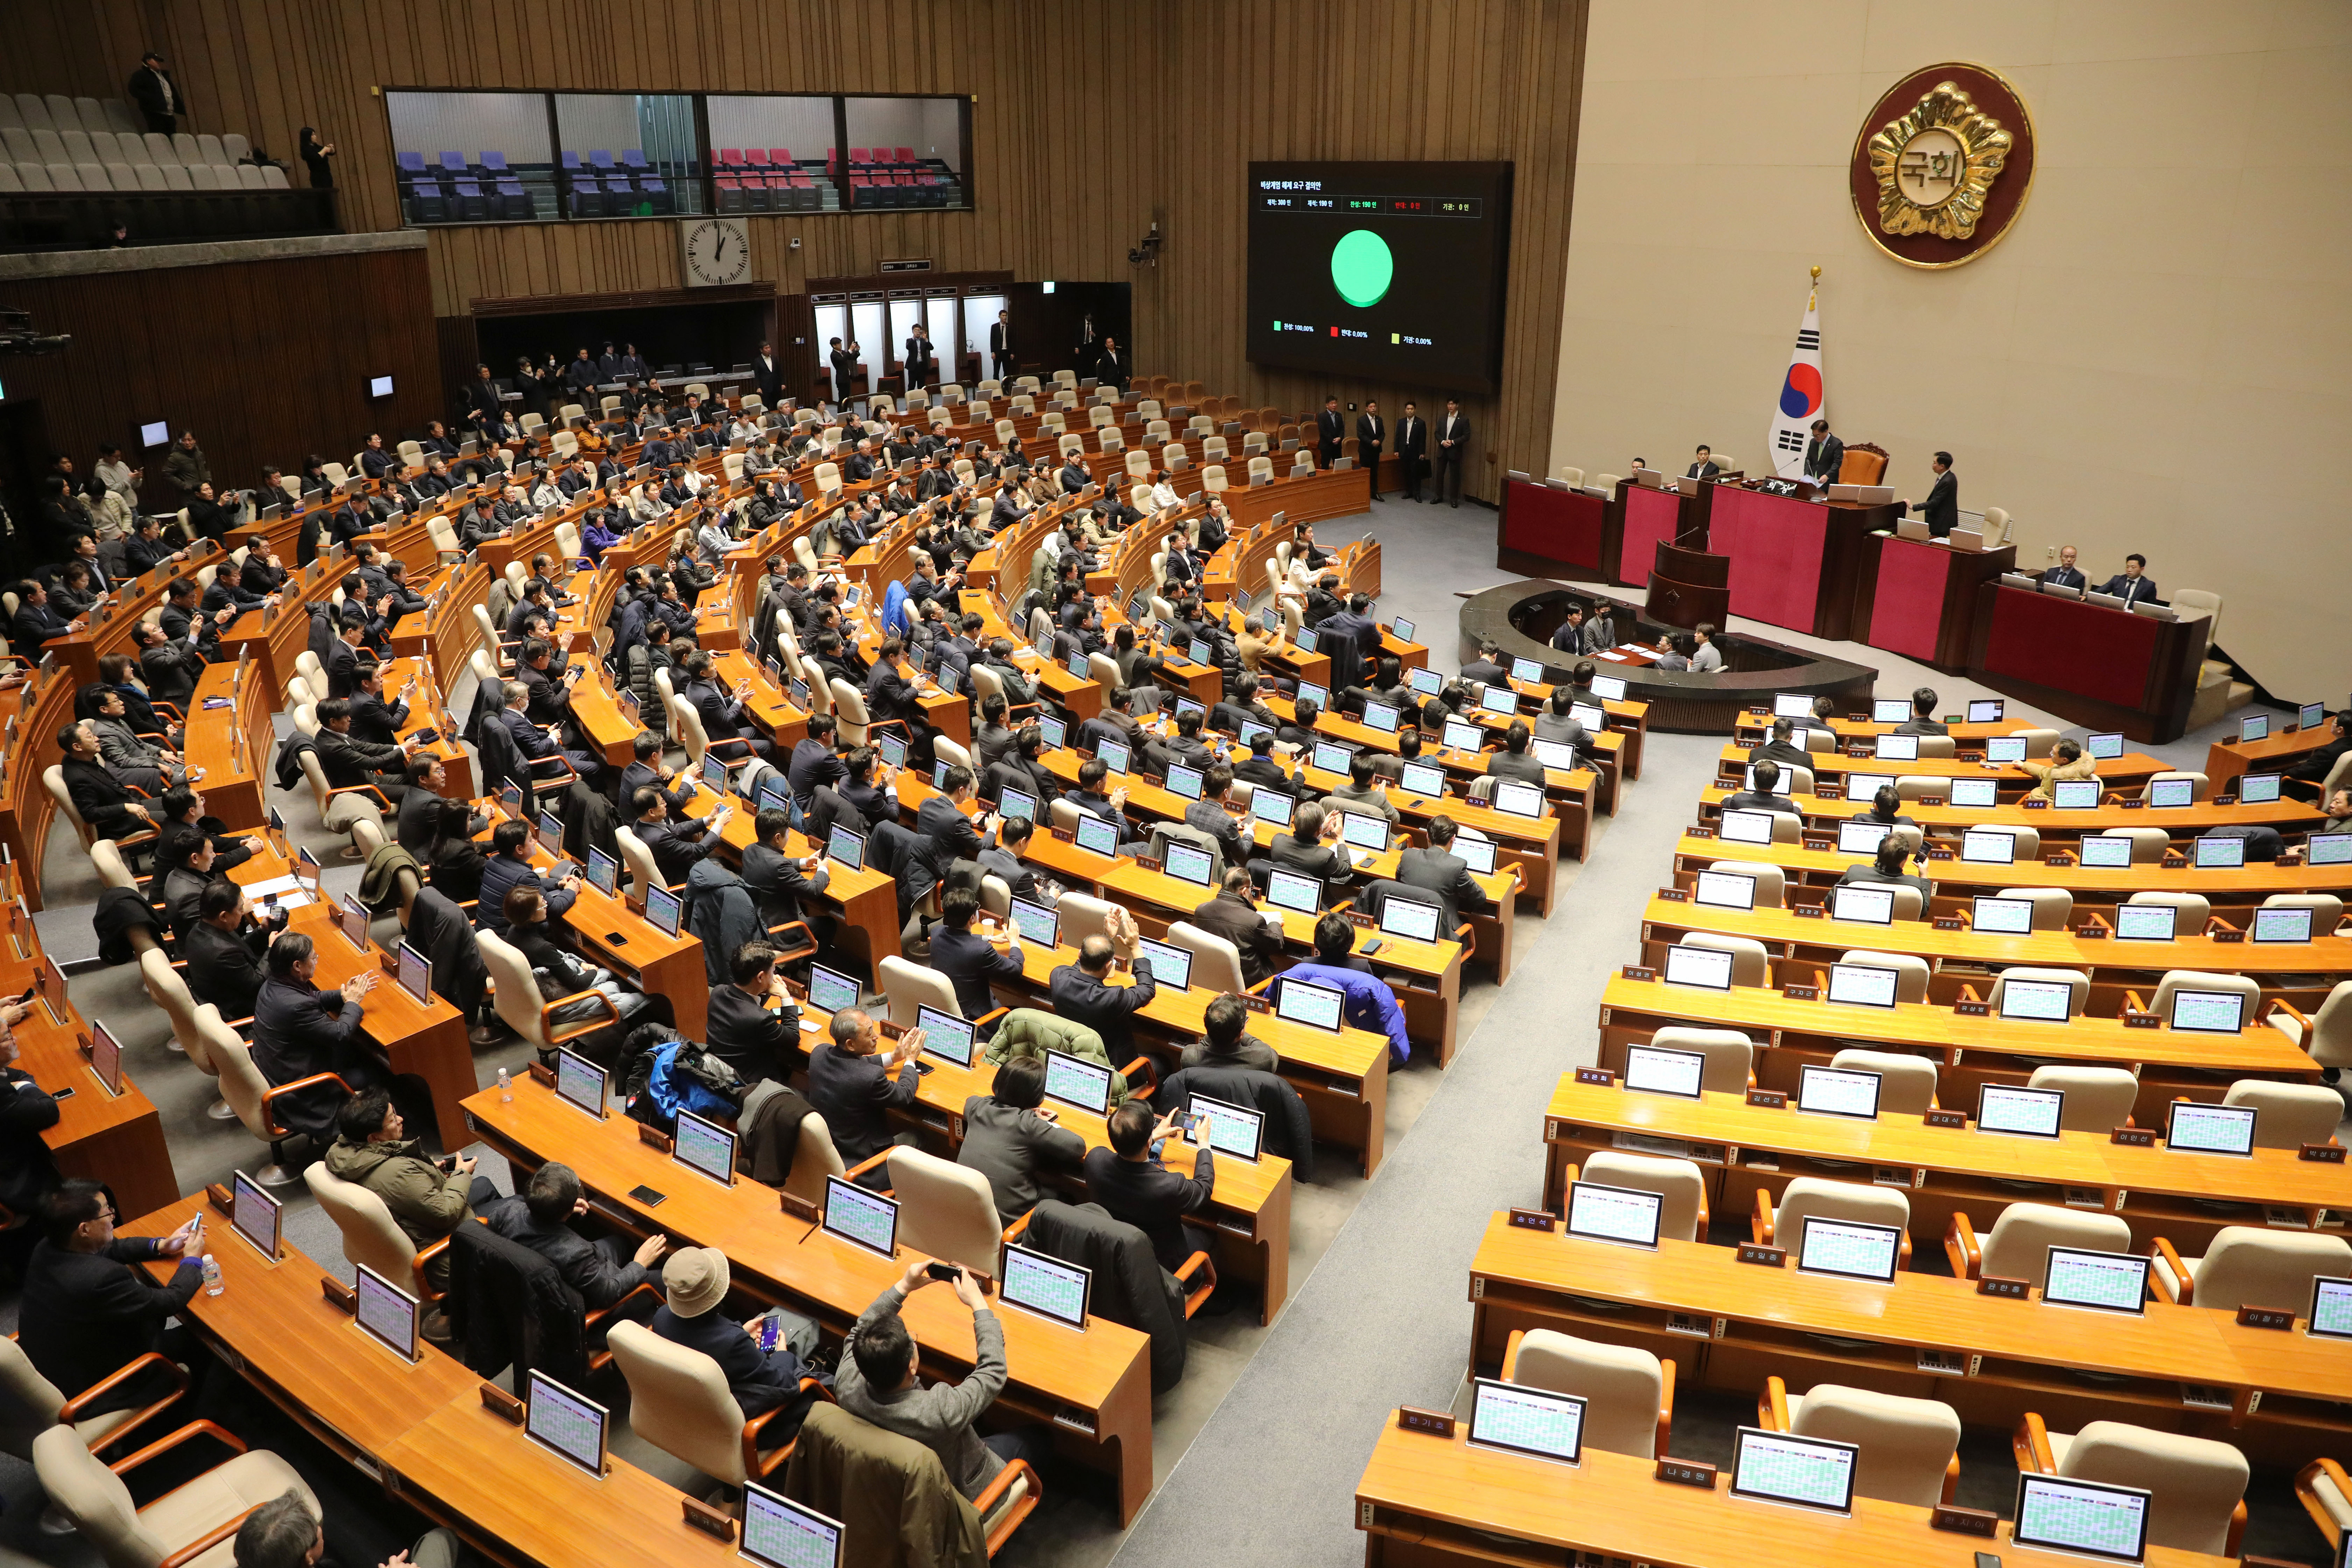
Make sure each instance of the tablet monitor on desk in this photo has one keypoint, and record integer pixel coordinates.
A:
(663, 909)
(1272, 806)
(254, 1214)
(1608, 688)
(1554, 754)
(1078, 668)
(2037, 1002)
(1517, 799)
(1052, 731)
(604, 872)
(2146, 922)
(2079, 795)
(1363, 832)
(415, 974)
(1838, 1092)
(1863, 985)
(2085, 1519)
(1426, 682)
(1859, 838)
(1229, 1129)
(1865, 786)
(2109, 1282)
(568, 1423)
(2254, 727)
(1621, 1216)
(1479, 853)
(1186, 782)
(1421, 778)
(2310, 716)
(1401, 629)
(1381, 717)
(2001, 916)
(1317, 1006)
(2207, 1012)
(2103, 747)
(2224, 852)
(780, 1533)
(2258, 788)
(1041, 1283)
(1726, 890)
(2005, 748)
(1808, 1472)
(705, 1146)
(2330, 1316)
(1989, 847)
(1075, 1081)
(1518, 1420)
(865, 1218)
(1170, 967)
(831, 991)
(2285, 923)
(1309, 640)
(1113, 755)
(2327, 849)
(1987, 710)
(2019, 1113)
(1972, 794)
(580, 1082)
(1020, 803)
(2194, 1127)
(1888, 710)
(2162, 792)
(1308, 692)
(714, 776)
(1850, 1248)
(1664, 1070)
(354, 920)
(1871, 903)
(1290, 890)
(1252, 732)
(1460, 735)
(2106, 852)
(1897, 749)
(1499, 700)
(845, 847)
(1410, 918)
(1742, 827)
(105, 1056)
(1527, 670)
(1331, 757)
(1790, 705)
(945, 1036)
(385, 1312)
(1707, 967)
(892, 748)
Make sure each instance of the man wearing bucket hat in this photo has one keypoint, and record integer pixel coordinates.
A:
(696, 1279)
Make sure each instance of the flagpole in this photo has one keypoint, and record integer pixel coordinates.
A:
(1813, 299)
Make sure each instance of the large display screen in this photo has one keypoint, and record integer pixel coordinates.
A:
(1392, 271)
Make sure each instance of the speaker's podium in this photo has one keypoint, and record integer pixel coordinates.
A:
(1688, 586)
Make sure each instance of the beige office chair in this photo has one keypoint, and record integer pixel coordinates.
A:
(2250, 1266)
(1730, 1067)
(516, 998)
(31, 1405)
(1912, 972)
(1771, 881)
(1751, 964)
(1216, 963)
(1910, 1448)
(910, 985)
(1906, 1082)
(2053, 907)
(2175, 980)
(849, 713)
(2326, 1492)
(253, 1101)
(1937, 746)
(2147, 791)
(2195, 909)
(1629, 1393)
(815, 1158)
(1798, 779)
(2198, 1485)
(1083, 915)
(2098, 1099)
(371, 1235)
(947, 750)
(192, 1524)
(1679, 1182)
(2018, 1245)
(1573, 475)
(2289, 1114)
(2077, 984)
(680, 1402)
(948, 1211)
(638, 861)
(1781, 1222)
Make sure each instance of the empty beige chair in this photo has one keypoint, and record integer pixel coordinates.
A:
(2198, 1485)
(1629, 1393)
(1781, 1222)
(680, 1402)
(2018, 1245)
(30, 1403)
(1937, 746)
(1910, 1448)
(371, 1235)
(2098, 1099)
(2038, 742)
(815, 1158)
(2289, 1114)
(2053, 907)
(1906, 1084)
(1912, 972)
(1681, 1183)
(1752, 965)
(1216, 963)
(250, 1095)
(2147, 791)
(1730, 1066)
(911, 986)
(2190, 603)
(1573, 475)
(1771, 881)
(849, 712)
(2176, 980)
(947, 1211)
(98, 1503)
(2250, 1266)
(1608, 482)
(1995, 531)
(2195, 909)
(2077, 984)
(1083, 915)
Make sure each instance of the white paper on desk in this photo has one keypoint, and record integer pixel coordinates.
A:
(1607, 653)
(294, 900)
(1634, 647)
(281, 886)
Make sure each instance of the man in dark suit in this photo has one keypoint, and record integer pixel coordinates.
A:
(844, 371)
(971, 962)
(156, 94)
(1303, 849)
(1704, 466)
(1110, 365)
(541, 1216)
(1763, 798)
(87, 1313)
(1129, 1180)
(921, 363)
(1371, 429)
(1922, 720)
(2132, 585)
(1487, 667)
(675, 842)
(1893, 854)
(745, 1034)
(349, 760)
(1781, 746)
(770, 374)
(696, 1281)
(1081, 993)
(1229, 913)
(1453, 435)
(1442, 871)
(850, 1085)
(35, 622)
(372, 721)
(300, 1030)
(778, 881)
(1412, 450)
(171, 670)
(1824, 455)
(224, 950)
(1329, 427)
(1000, 346)
(2066, 574)
(1942, 507)
(110, 806)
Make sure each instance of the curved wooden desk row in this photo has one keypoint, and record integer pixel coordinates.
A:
(2227, 760)
(2281, 1397)
(1825, 812)
(1790, 1034)
(2012, 782)
(1745, 1149)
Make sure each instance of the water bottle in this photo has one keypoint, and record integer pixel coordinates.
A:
(506, 1086)
(213, 1285)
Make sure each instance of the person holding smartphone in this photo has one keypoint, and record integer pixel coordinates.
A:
(88, 1310)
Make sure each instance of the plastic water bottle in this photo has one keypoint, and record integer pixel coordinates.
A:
(212, 1283)
(506, 1085)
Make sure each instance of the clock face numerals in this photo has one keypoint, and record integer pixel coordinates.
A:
(716, 252)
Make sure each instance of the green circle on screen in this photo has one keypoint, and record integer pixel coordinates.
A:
(1362, 268)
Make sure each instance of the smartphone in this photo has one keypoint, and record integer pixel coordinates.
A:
(649, 1196)
(62, 1094)
(949, 1273)
(1988, 1559)
(770, 1330)
(1372, 946)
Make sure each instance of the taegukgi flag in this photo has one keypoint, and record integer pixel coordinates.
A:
(1801, 398)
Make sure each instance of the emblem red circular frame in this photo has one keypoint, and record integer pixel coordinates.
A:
(1989, 91)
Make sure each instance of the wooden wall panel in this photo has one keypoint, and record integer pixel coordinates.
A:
(1091, 121)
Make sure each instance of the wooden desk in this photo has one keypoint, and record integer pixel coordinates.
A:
(231, 744)
(1094, 1388)
(1437, 1503)
(1746, 1149)
(2054, 826)
(1969, 1051)
(867, 901)
(2106, 669)
(2011, 783)
(2226, 761)
(1730, 1325)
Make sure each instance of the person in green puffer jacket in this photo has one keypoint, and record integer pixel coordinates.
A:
(371, 1149)
(1032, 1031)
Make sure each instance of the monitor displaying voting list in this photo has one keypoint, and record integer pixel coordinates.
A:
(2103, 747)
(1272, 806)
(867, 1218)
(1663, 1069)
(1519, 800)
(2078, 795)
(1409, 918)
(780, 1533)
(1170, 967)
(386, 1311)
(2172, 792)
(1075, 1081)
(1862, 838)
(1017, 803)
(1747, 827)
(254, 1214)
(1792, 705)
(1866, 786)
(1849, 1247)
(1479, 853)
(105, 1056)
(2327, 849)
(1811, 1472)
(1317, 1006)
(1974, 793)
(1290, 890)
(1726, 890)
(2108, 852)
(1837, 1091)
(1989, 848)
(1623, 1216)
(2288, 923)
(1608, 688)
(2001, 916)
(2330, 1316)
(2109, 1282)
(604, 872)
(1421, 778)
(1331, 757)
(2191, 1127)
(2037, 1002)
(1870, 904)
(1112, 755)
(1890, 710)
(2222, 853)
(1863, 985)
(945, 1036)
(705, 1146)
(573, 1426)
(2005, 748)
(580, 1082)
(415, 974)
(2019, 1113)
(830, 990)
(1227, 1128)
(1187, 862)
(663, 909)
(846, 846)
(1897, 748)
(1098, 834)
(1460, 735)
(1365, 832)
(1523, 1420)
(1428, 683)
(1036, 923)
(1187, 781)
(2089, 1519)
(1040, 1283)
(1709, 967)
(2208, 1012)
(2258, 788)
(2147, 922)
(1380, 717)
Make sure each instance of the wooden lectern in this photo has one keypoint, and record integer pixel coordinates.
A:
(1688, 586)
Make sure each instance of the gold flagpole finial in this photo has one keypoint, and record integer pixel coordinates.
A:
(1817, 275)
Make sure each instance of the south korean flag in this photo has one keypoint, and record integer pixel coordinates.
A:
(1800, 398)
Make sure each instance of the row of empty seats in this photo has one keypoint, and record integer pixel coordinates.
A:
(56, 112)
(44, 160)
